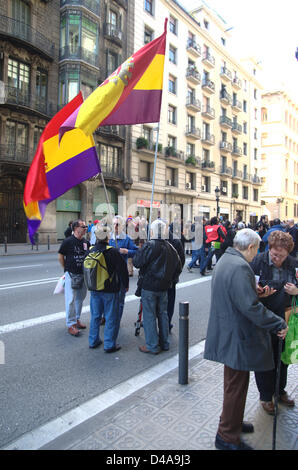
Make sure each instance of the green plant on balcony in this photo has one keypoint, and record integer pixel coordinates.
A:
(142, 143)
(191, 160)
(159, 147)
(235, 195)
(170, 152)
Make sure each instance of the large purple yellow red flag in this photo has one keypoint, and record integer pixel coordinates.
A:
(57, 168)
(130, 95)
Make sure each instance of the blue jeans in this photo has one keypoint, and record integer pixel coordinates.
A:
(155, 309)
(107, 303)
(206, 261)
(195, 255)
(74, 299)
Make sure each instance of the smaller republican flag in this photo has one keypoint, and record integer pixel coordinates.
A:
(57, 168)
(130, 95)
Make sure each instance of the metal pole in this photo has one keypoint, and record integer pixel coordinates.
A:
(153, 180)
(48, 242)
(5, 244)
(183, 342)
(108, 203)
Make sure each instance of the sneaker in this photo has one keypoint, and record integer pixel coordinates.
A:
(188, 269)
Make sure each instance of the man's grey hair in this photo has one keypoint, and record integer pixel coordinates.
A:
(246, 237)
(158, 228)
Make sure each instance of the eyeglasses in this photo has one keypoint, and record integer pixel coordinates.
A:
(83, 226)
(277, 255)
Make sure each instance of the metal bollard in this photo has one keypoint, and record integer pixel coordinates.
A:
(5, 244)
(48, 242)
(183, 342)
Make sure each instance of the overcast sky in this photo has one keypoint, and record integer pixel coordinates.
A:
(266, 29)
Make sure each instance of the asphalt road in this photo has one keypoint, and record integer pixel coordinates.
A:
(46, 372)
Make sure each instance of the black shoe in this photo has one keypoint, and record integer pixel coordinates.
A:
(247, 427)
(202, 273)
(96, 345)
(111, 350)
(223, 445)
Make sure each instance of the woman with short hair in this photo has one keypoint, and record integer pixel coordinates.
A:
(277, 285)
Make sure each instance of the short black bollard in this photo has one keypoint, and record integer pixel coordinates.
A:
(48, 242)
(183, 342)
(5, 244)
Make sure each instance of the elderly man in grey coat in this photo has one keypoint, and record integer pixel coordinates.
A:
(239, 334)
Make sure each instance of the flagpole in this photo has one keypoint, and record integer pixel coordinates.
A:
(153, 180)
(108, 202)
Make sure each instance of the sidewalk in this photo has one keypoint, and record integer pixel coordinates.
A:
(27, 249)
(163, 415)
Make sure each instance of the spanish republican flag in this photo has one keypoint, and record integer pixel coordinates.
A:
(57, 168)
(130, 95)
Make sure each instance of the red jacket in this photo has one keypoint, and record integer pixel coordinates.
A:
(212, 234)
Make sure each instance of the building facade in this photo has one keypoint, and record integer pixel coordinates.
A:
(49, 50)
(209, 137)
(209, 133)
(279, 155)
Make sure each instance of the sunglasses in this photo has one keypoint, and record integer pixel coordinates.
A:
(83, 226)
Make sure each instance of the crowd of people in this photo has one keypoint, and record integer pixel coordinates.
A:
(253, 283)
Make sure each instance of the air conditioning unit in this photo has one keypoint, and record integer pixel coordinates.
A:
(188, 185)
(169, 182)
(223, 189)
(203, 188)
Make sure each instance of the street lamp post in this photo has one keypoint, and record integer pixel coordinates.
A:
(217, 191)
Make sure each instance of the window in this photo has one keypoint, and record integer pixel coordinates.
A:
(18, 78)
(172, 54)
(224, 188)
(206, 155)
(245, 127)
(255, 94)
(21, 13)
(173, 25)
(112, 61)
(172, 141)
(110, 159)
(41, 87)
(172, 84)
(190, 149)
(78, 37)
(36, 136)
(264, 115)
(244, 148)
(171, 176)
(255, 195)
(71, 80)
(255, 154)
(206, 24)
(235, 192)
(245, 106)
(147, 133)
(206, 183)
(146, 171)
(172, 114)
(189, 180)
(245, 192)
(149, 6)
(16, 136)
(148, 35)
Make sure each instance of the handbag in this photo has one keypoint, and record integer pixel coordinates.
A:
(77, 280)
(290, 353)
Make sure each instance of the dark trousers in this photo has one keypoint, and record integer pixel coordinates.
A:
(171, 302)
(266, 380)
(235, 392)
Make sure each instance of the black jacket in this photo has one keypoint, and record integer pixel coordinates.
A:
(280, 300)
(159, 265)
(115, 264)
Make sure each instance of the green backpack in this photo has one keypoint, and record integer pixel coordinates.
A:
(95, 270)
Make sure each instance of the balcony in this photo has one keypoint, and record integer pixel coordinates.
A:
(237, 174)
(193, 75)
(225, 97)
(208, 85)
(237, 105)
(207, 165)
(236, 151)
(78, 53)
(225, 121)
(23, 34)
(208, 139)
(113, 33)
(225, 73)
(236, 82)
(208, 59)
(236, 128)
(193, 132)
(111, 170)
(208, 112)
(193, 48)
(255, 179)
(246, 176)
(193, 104)
(225, 170)
(14, 96)
(113, 131)
(225, 146)
(171, 152)
(91, 5)
(14, 153)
